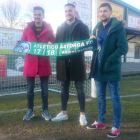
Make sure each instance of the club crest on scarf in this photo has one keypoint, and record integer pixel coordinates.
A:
(23, 47)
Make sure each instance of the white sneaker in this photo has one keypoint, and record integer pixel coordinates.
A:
(82, 120)
(60, 117)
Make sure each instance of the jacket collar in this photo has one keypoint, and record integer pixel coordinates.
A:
(113, 28)
(108, 24)
(77, 21)
(46, 25)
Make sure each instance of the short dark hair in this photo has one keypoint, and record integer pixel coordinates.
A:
(69, 4)
(39, 8)
(106, 5)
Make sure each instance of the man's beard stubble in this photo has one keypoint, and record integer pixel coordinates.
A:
(105, 20)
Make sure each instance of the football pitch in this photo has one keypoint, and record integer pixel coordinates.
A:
(13, 108)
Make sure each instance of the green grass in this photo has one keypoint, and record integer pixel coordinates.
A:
(130, 85)
(7, 51)
(19, 101)
(13, 128)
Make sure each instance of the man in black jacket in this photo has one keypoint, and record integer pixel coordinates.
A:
(71, 68)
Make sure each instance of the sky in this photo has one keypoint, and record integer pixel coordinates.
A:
(55, 9)
(134, 3)
(56, 4)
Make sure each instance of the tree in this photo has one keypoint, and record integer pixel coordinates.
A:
(10, 12)
(30, 7)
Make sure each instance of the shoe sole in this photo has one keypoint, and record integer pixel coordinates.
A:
(29, 118)
(94, 128)
(59, 120)
(45, 118)
(112, 136)
(83, 124)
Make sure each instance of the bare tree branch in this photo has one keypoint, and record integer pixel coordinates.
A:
(10, 12)
(30, 6)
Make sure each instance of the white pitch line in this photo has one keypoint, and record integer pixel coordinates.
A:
(125, 96)
(53, 105)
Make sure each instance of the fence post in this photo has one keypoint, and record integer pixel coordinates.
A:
(139, 54)
(93, 89)
(124, 59)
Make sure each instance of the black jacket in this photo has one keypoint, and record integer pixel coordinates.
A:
(77, 62)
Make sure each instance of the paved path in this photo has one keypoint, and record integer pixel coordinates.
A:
(130, 66)
(130, 69)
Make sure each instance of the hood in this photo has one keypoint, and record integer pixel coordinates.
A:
(114, 25)
(47, 26)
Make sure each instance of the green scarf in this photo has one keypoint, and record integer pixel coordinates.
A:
(56, 49)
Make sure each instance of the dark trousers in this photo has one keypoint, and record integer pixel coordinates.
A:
(44, 91)
(65, 94)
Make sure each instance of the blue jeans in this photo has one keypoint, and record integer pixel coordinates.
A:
(115, 97)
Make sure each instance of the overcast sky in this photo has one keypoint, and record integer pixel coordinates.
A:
(135, 3)
(55, 7)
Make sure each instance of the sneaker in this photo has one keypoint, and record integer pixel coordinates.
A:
(114, 133)
(82, 120)
(96, 125)
(46, 115)
(60, 117)
(29, 115)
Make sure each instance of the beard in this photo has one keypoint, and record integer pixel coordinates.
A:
(70, 17)
(105, 20)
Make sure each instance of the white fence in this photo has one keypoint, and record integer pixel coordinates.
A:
(12, 80)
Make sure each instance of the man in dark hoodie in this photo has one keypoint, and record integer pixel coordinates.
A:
(71, 68)
(112, 44)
